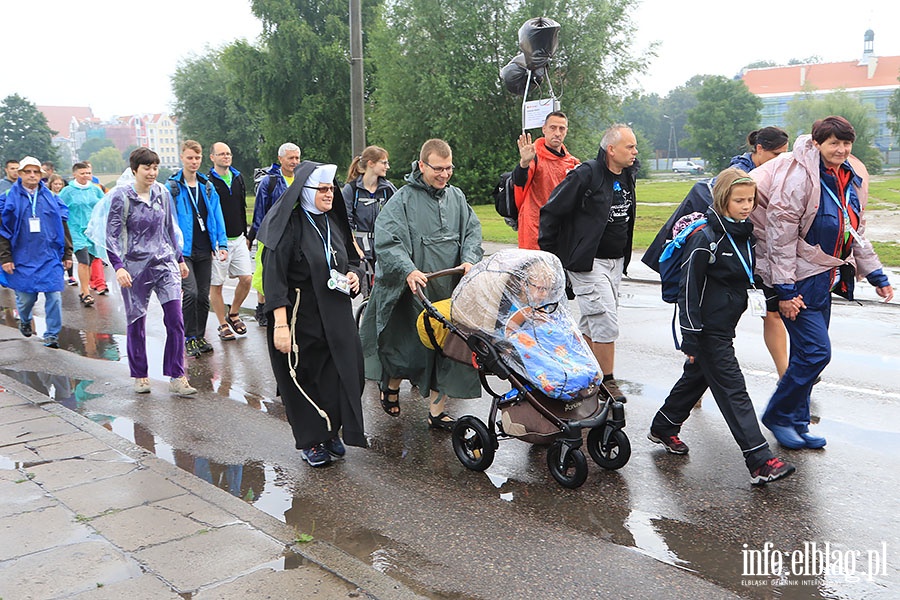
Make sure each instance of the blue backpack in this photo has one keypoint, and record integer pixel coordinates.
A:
(672, 259)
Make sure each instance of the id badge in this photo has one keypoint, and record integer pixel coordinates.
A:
(858, 238)
(34, 225)
(202, 224)
(756, 300)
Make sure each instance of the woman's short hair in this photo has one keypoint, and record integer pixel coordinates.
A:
(836, 126)
(142, 156)
(770, 138)
(725, 181)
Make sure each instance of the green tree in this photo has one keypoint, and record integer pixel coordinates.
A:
(805, 109)
(718, 125)
(126, 154)
(24, 131)
(674, 110)
(761, 64)
(644, 114)
(92, 146)
(208, 109)
(436, 75)
(894, 113)
(107, 160)
(298, 79)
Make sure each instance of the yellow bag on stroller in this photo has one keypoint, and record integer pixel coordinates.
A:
(432, 331)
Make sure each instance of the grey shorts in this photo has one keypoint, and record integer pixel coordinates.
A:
(238, 262)
(597, 294)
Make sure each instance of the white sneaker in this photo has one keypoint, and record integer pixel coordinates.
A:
(141, 385)
(180, 386)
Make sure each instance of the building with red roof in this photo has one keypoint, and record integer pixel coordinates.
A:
(873, 79)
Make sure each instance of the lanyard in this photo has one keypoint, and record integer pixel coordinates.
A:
(842, 207)
(741, 258)
(325, 244)
(33, 199)
(195, 198)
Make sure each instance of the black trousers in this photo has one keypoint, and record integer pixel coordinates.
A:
(716, 368)
(195, 295)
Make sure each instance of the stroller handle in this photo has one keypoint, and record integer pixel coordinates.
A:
(434, 275)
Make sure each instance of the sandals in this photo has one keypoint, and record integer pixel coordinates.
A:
(391, 407)
(86, 299)
(225, 332)
(234, 319)
(441, 421)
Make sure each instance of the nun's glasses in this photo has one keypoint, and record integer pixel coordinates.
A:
(321, 188)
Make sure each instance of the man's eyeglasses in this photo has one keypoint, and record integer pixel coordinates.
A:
(439, 169)
(321, 188)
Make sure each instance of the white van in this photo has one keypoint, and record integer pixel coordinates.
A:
(687, 166)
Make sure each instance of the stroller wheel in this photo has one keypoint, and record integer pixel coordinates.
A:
(571, 471)
(473, 443)
(615, 453)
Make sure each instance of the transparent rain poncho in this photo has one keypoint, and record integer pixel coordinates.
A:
(145, 237)
(517, 298)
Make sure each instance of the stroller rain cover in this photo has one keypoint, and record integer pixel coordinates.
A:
(517, 299)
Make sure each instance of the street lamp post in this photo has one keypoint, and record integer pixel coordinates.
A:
(357, 114)
(673, 138)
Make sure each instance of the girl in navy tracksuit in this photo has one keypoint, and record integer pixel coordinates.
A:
(715, 279)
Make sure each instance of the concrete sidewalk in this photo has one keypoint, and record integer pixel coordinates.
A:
(86, 514)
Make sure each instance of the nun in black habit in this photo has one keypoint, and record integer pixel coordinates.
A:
(313, 341)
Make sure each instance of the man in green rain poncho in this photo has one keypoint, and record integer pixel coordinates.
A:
(426, 226)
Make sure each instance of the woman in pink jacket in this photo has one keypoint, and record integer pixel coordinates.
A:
(812, 211)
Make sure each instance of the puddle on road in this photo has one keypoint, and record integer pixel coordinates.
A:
(91, 344)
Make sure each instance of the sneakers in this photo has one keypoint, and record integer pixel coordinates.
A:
(203, 345)
(141, 385)
(191, 347)
(613, 387)
(317, 456)
(773, 469)
(262, 319)
(672, 443)
(25, 328)
(335, 447)
(71, 281)
(180, 386)
(51, 341)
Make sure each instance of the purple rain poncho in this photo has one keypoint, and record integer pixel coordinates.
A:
(143, 239)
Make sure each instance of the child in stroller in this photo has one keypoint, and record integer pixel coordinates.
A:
(509, 317)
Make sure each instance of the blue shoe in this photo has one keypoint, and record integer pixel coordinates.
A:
(812, 441)
(787, 436)
(317, 456)
(51, 341)
(335, 447)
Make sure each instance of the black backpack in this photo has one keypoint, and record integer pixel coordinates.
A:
(505, 200)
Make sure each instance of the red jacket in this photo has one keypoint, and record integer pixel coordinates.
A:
(543, 177)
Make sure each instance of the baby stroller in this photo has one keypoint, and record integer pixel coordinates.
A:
(509, 317)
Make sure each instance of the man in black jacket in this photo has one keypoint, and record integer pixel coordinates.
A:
(588, 222)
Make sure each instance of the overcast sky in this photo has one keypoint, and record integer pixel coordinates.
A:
(117, 57)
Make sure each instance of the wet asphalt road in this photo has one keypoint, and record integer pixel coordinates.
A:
(663, 526)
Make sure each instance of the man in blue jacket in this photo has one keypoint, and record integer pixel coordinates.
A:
(200, 219)
(269, 189)
(34, 248)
